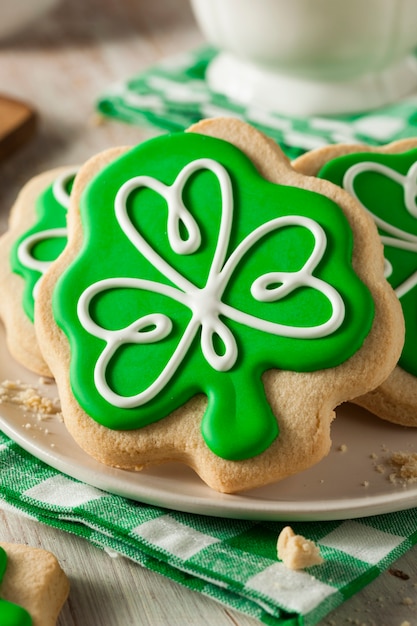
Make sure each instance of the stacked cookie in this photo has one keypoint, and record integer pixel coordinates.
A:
(207, 302)
(384, 182)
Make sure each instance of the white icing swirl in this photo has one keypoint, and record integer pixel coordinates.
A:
(26, 246)
(397, 238)
(205, 304)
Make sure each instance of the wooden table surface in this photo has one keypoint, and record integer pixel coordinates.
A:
(60, 65)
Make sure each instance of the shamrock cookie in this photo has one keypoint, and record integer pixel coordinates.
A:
(213, 307)
(384, 181)
(36, 236)
(33, 587)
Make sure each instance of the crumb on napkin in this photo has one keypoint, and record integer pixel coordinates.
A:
(297, 552)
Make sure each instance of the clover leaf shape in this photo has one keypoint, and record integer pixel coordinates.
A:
(206, 304)
(49, 231)
(386, 186)
(214, 329)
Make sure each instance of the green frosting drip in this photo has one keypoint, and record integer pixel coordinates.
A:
(386, 185)
(50, 214)
(11, 614)
(170, 296)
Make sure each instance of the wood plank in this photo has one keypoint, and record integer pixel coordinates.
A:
(17, 124)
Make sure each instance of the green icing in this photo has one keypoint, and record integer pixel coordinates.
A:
(45, 247)
(238, 422)
(386, 186)
(11, 614)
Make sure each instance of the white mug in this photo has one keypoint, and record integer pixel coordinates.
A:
(311, 56)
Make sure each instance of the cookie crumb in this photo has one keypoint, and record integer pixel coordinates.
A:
(399, 467)
(29, 398)
(342, 448)
(43, 380)
(365, 483)
(408, 601)
(297, 552)
(398, 573)
(405, 465)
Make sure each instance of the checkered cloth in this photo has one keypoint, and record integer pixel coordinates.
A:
(233, 561)
(174, 94)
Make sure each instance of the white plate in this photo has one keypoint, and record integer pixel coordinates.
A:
(345, 484)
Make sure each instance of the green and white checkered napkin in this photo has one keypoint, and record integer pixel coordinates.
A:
(174, 94)
(233, 561)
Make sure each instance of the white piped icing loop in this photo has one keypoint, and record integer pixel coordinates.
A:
(59, 188)
(26, 258)
(397, 238)
(24, 250)
(207, 308)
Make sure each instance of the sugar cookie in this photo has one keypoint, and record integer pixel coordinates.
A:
(33, 587)
(213, 307)
(384, 181)
(35, 237)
